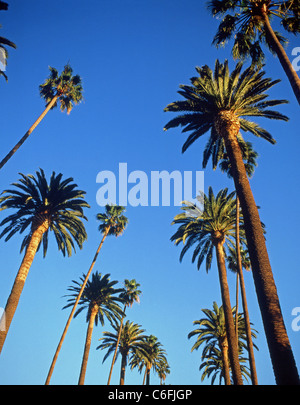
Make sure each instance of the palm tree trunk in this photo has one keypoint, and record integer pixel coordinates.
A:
(230, 330)
(248, 332)
(117, 345)
(23, 139)
(87, 346)
(282, 56)
(123, 368)
(224, 351)
(73, 310)
(283, 361)
(240, 277)
(20, 279)
(148, 369)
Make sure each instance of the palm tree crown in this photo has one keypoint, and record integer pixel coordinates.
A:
(244, 20)
(216, 96)
(65, 86)
(58, 203)
(205, 228)
(100, 292)
(112, 220)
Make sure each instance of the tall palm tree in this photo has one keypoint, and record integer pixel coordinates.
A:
(64, 89)
(219, 102)
(129, 341)
(211, 331)
(113, 222)
(41, 207)
(3, 43)
(101, 300)
(210, 230)
(130, 295)
(249, 22)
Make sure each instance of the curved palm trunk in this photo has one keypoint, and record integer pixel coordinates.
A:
(87, 344)
(224, 351)
(20, 279)
(73, 310)
(230, 330)
(23, 139)
(123, 368)
(282, 56)
(116, 349)
(283, 361)
(240, 277)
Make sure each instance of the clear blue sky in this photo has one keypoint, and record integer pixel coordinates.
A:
(132, 55)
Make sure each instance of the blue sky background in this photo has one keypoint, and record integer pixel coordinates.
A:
(132, 55)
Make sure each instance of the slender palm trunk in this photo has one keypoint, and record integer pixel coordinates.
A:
(123, 368)
(283, 361)
(240, 277)
(282, 56)
(20, 279)
(148, 369)
(73, 310)
(23, 139)
(117, 345)
(224, 351)
(230, 330)
(87, 346)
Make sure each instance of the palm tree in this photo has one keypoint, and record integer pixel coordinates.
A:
(212, 363)
(211, 331)
(130, 295)
(65, 89)
(152, 357)
(210, 230)
(3, 43)
(219, 102)
(41, 207)
(249, 22)
(113, 222)
(129, 341)
(163, 370)
(101, 301)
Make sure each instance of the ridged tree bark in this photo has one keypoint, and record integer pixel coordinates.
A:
(284, 365)
(30, 130)
(87, 346)
(20, 279)
(230, 329)
(74, 309)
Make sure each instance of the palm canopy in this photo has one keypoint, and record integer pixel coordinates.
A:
(100, 292)
(204, 228)
(131, 292)
(131, 340)
(112, 220)
(65, 86)
(215, 93)
(58, 202)
(243, 20)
